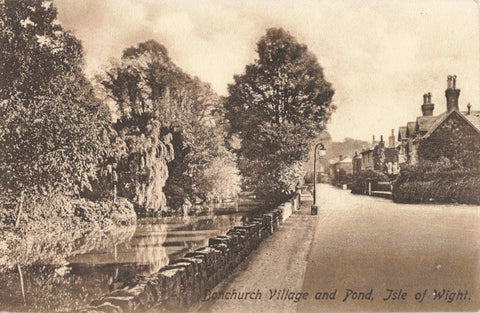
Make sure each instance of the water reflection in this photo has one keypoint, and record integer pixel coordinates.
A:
(59, 277)
(49, 282)
(148, 243)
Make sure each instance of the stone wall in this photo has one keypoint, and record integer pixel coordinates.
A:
(185, 281)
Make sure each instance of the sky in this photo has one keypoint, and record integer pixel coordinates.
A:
(380, 56)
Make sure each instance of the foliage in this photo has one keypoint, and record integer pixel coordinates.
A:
(51, 124)
(450, 187)
(379, 157)
(277, 107)
(440, 180)
(162, 109)
(360, 180)
(455, 140)
(135, 84)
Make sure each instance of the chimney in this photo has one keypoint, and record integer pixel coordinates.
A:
(452, 94)
(427, 106)
(381, 138)
(391, 139)
(469, 106)
(373, 139)
(340, 157)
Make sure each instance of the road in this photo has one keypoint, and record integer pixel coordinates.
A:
(364, 247)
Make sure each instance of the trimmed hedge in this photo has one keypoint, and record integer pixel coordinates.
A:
(441, 187)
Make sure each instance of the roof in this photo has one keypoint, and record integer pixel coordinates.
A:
(473, 119)
(425, 122)
(366, 150)
(402, 133)
(411, 129)
(346, 160)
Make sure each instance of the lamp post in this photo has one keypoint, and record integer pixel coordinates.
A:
(314, 208)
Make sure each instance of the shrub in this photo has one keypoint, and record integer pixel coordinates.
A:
(360, 181)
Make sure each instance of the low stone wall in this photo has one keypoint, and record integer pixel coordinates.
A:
(185, 281)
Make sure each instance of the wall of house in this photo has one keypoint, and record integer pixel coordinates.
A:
(367, 160)
(455, 139)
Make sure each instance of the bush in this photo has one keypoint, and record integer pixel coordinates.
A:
(360, 180)
(442, 181)
(449, 187)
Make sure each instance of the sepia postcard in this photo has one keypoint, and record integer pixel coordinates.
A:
(239, 156)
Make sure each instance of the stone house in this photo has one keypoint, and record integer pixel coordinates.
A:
(453, 134)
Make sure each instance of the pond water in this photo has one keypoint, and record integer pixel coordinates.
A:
(100, 262)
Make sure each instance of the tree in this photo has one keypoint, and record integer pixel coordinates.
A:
(50, 122)
(147, 87)
(277, 107)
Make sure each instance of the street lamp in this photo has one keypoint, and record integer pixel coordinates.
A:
(314, 208)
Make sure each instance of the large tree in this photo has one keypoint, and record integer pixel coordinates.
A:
(151, 92)
(50, 122)
(277, 107)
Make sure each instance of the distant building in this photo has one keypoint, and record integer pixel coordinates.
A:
(378, 157)
(344, 164)
(357, 163)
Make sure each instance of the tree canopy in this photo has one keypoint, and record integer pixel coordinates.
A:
(148, 88)
(50, 122)
(277, 107)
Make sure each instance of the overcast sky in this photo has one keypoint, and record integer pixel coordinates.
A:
(381, 56)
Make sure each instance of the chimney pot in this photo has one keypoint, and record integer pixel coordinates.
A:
(452, 94)
(469, 106)
(427, 106)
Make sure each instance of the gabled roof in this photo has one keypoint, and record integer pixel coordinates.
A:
(425, 122)
(402, 133)
(473, 117)
(444, 116)
(411, 129)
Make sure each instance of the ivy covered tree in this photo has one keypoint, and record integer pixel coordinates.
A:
(277, 107)
(51, 124)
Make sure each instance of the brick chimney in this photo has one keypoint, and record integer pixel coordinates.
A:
(427, 106)
(391, 139)
(452, 93)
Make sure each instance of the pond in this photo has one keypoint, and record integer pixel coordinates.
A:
(101, 261)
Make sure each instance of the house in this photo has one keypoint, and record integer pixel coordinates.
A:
(341, 171)
(453, 134)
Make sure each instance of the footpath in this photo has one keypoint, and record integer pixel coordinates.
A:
(277, 268)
